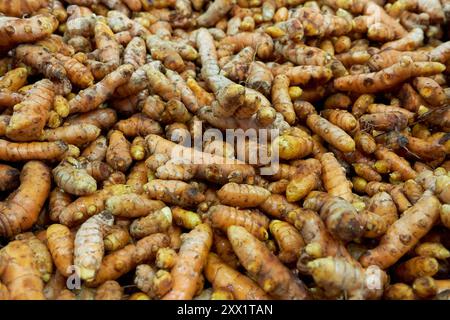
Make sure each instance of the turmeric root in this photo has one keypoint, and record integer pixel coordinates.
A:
(334, 179)
(137, 149)
(397, 163)
(96, 150)
(433, 8)
(124, 260)
(386, 121)
(365, 171)
(9, 99)
(355, 89)
(430, 91)
(174, 192)
(395, 243)
(156, 284)
(191, 260)
(217, 10)
(41, 255)
(300, 185)
(132, 205)
(237, 67)
(9, 177)
(22, 209)
(4, 293)
(141, 78)
(15, 30)
(135, 52)
(14, 80)
(175, 171)
(318, 240)
(170, 112)
(223, 248)
(278, 187)
(261, 42)
(55, 44)
(98, 170)
(109, 290)
(101, 118)
(341, 118)
(273, 277)
(77, 73)
(317, 24)
(88, 245)
(30, 116)
(331, 133)
(291, 147)
(185, 218)
(409, 42)
(73, 179)
(301, 54)
(222, 217)
(138, 125)
(280, 98)
(341, 219)
(383, 205)
(42, 60)
(389, 77)
(77, 134)
(90, 98)
(165, 52)
(61, 246)
(19, 273)
(260, 77)
(156, 222)
(108, 51)
(412, 190)
(277, 206)
(242, 195)
(204, 98)
(117, 238)
(54, 286)
(21, 8)
(166, 258)
(223, 276)
(438, 184)
(445, 215)
(421, 148)
(425, 287)
(337, 277)
(58, 200)
(86, 206)
(288, 239)
(138, 176)
(144, 278)
(389, 57)
(117, 178)
(365, 142)
(118, 152)
(417, 267)
(399, 291)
